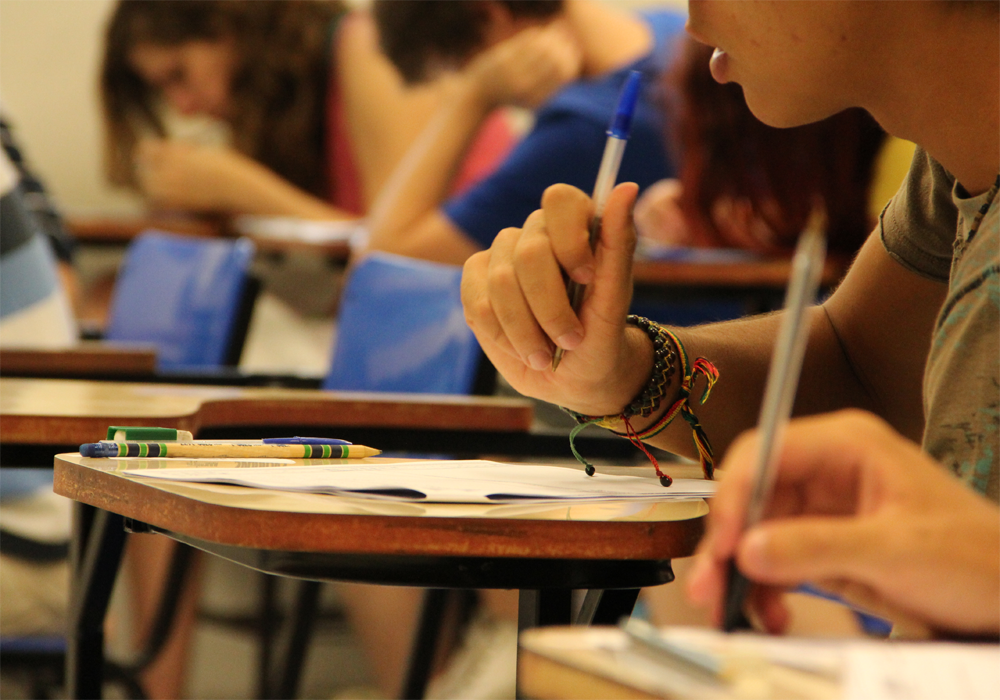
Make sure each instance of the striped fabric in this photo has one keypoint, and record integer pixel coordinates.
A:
(34, 310)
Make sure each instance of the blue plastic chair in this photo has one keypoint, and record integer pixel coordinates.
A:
(401, 328)
(185, 295)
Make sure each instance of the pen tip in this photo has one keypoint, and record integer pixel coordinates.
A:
(556, 358)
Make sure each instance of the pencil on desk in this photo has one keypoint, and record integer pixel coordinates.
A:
(249, 450)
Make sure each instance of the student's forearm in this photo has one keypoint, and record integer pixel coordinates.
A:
(421, 181)
(260, 191)
(741, 351)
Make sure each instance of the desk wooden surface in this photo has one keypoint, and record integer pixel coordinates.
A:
(93, 358)
(296, 522)
(121, 231)
(768, 273)
(66, 412)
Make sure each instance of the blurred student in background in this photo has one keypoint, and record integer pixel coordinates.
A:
(564, 59)
(318, 117)
(744, 184)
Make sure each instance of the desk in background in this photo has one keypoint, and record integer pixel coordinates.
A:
(696, 286)
(39, 417)
(89, 358)
(544, 550)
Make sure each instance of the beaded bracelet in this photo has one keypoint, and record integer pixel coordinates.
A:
(664, 343)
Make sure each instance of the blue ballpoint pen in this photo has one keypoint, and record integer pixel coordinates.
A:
(614, 149)
(304, 441)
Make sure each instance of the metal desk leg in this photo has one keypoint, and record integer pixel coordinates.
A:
(551, 606)
(95, 555)
(602, 607)
(300, 634)
(425, 643)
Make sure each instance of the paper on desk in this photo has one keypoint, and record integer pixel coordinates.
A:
(866, 669)
(453, 481)
(922, 671)
(293, 229)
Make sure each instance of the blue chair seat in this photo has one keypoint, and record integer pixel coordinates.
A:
(185, 295)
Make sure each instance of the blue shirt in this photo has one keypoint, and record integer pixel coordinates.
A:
(567, 142)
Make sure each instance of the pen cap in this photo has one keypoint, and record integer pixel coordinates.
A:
(621, 123)
(122, 433)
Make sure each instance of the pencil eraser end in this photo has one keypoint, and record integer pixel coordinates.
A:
(91, 450)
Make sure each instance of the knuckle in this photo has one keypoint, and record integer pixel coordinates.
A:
(530, 248)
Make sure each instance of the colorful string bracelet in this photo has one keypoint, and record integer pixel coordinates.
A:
(667, 349)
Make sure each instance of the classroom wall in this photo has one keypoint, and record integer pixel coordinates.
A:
(49, 58)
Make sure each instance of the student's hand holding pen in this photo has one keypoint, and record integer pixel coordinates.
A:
(515, 301)
(859, 511)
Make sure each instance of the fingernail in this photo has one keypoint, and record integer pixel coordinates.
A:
(569, 341)
(583, 274)
(539, 360)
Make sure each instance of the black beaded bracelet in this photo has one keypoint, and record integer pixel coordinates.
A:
(649, 399)
(664, 362)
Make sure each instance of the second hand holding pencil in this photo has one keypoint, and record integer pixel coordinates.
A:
(614, 149)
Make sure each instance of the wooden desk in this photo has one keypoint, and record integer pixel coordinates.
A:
(121, 230)
(39, 415)
(689, 290)
(762, 274)
(95, 358)
(544, 550)
(553, 664)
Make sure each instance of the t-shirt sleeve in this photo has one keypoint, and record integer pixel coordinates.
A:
(919, 224)
(563, 149)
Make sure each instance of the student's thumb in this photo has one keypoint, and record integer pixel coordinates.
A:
(790, 551)
(616, 245)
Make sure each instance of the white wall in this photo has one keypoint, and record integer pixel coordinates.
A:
(49, 58)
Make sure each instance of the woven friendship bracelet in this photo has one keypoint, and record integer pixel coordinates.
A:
(667, 349)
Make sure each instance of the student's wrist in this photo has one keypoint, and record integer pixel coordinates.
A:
(628, 377)
(476, 90)
(639, 347)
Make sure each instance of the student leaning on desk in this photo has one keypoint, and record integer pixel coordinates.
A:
(913, 332)
(566, 60)
(318, 117)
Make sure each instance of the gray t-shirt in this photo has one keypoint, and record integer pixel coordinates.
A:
(935, 229)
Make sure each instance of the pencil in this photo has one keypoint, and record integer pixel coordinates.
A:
(246, 450)
(779, 395)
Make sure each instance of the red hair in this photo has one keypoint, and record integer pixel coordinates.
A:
(726, 152)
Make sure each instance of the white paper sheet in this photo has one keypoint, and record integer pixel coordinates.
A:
(453, 481)
(867, 669)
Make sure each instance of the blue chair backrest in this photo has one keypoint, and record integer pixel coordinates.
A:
(400, 328)
(182, 294)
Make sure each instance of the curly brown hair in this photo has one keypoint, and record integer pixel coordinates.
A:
(725, 151)
(278, 88)
(414, 32)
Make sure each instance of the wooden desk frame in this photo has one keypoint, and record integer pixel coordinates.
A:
(544, 559)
